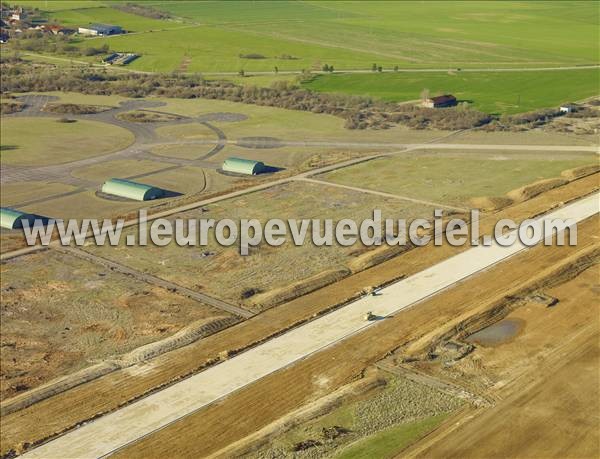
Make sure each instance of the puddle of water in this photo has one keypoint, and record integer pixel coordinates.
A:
(497, 333)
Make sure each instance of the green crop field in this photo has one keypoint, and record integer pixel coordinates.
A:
(499, 92)
(211, 36)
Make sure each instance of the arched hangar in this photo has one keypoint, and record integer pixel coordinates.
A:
(244, 166)
(131, 190)
(13, 219)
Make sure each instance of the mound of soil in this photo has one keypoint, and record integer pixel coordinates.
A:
(579, 172)
(529, 191)
(375, 256)
(298, 288)
(490, 203)
(6, 108)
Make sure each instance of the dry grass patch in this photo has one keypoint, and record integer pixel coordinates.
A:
(60, 314)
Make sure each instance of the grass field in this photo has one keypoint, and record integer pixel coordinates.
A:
(18, 192)
(130, 22)
(102, 171)
(387, 443)
(375, 424)
(267, 268)
(453, 179)
(210, 36)
(43, 141)
(500, 92)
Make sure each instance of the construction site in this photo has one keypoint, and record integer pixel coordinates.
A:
(132, 349)
(448, 361)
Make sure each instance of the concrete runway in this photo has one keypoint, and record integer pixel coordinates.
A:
(109, 433)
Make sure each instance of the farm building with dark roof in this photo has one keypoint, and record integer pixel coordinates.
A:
(100, 30)
(447, 100)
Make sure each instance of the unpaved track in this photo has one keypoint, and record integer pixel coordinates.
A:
(65, 410)
(322, 170)
(385, 195)
(116, 430)
(150, 279)
(299, 72)
(415, 70)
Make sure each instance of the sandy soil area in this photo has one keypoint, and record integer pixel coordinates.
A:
(545, 381)
(61, 313)
(207, 430)
(311, 377)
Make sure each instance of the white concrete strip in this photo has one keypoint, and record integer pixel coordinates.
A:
(133, 422)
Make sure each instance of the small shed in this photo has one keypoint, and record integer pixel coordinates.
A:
(244, 166)
(447, 100)
(131, 190)
(13, 219)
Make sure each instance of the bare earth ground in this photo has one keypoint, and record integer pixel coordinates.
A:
(48, 416)
(61, 313)
(205, 431)
(545, 380)
(165, 167)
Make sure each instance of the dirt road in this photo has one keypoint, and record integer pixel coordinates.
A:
(153, 280)
(385, 195)
(322, 170)
(114, 431)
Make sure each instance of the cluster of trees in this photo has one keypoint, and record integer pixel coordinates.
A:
(36, 41)
(359, 112)
(328, 68)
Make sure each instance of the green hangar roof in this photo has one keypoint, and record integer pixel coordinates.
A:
(12, 219)
(131, 190)
(243, 166)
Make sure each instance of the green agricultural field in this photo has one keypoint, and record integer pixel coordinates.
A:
(211, 36)
(130, 22)
(60, 5)
(82, 13)
(42, 141)
(389, 442)
(491, 92)
(416, 32)
(454, 178)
